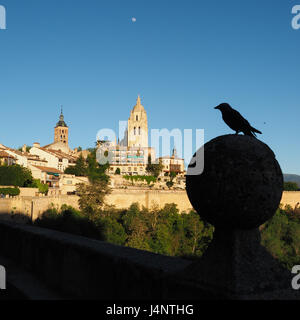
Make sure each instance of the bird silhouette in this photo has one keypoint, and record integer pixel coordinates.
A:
(236, 121)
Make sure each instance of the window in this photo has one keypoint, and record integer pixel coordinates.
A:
(134, 130)
(139, 131)
(137, 118)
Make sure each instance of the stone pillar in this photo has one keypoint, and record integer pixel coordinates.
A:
(239, 189)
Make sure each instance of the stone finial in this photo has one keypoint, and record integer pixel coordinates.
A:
(241, 185)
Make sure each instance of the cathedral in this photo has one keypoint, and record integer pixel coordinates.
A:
(137, 129)
(130, 156)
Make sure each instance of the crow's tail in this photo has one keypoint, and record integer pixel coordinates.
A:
(255, 130)
(251, 132)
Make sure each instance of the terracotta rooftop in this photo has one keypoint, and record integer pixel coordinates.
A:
(59, 154)
(48, 169)
(4, 154)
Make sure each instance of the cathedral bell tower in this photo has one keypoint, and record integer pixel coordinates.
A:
(61, 131)
(137, 126)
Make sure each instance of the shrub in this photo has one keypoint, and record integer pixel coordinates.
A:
(43, 188)
(148, 179)
(12, 192)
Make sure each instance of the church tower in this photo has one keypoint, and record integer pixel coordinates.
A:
(137, 134)
(61, 131)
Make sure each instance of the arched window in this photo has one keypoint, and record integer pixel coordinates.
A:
(139, 131)
(137, 118)
(134, 130)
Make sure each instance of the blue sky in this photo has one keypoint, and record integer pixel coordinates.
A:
(182, 57)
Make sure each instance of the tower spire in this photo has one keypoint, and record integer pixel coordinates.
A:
(61, 117)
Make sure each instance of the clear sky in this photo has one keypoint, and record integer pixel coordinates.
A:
(182, 56)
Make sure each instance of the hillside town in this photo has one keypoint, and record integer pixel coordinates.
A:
(130, 157)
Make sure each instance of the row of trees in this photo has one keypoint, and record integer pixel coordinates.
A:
(167, 232)
(290, 186)
(162, 231)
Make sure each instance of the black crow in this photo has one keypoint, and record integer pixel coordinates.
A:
(236, 121)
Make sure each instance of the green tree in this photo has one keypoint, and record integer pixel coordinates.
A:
(112, 230)
(281, 237)
(290, 186)
(15, 175)
(198, 234)
(71, 221)
(27, 149)
(95, 171)
(154, 168)
(173, 175)
(91, 197)
(43, 188)
(80, 168)
(169, 184)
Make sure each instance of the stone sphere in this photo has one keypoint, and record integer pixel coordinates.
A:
(241, 184)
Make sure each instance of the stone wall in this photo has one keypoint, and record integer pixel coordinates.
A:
(291, 198)
(25, 192)
(121, 198)
(34, 206)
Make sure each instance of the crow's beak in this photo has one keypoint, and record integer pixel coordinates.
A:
(217, 107)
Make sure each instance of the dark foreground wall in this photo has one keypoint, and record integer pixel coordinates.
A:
(83, 268)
